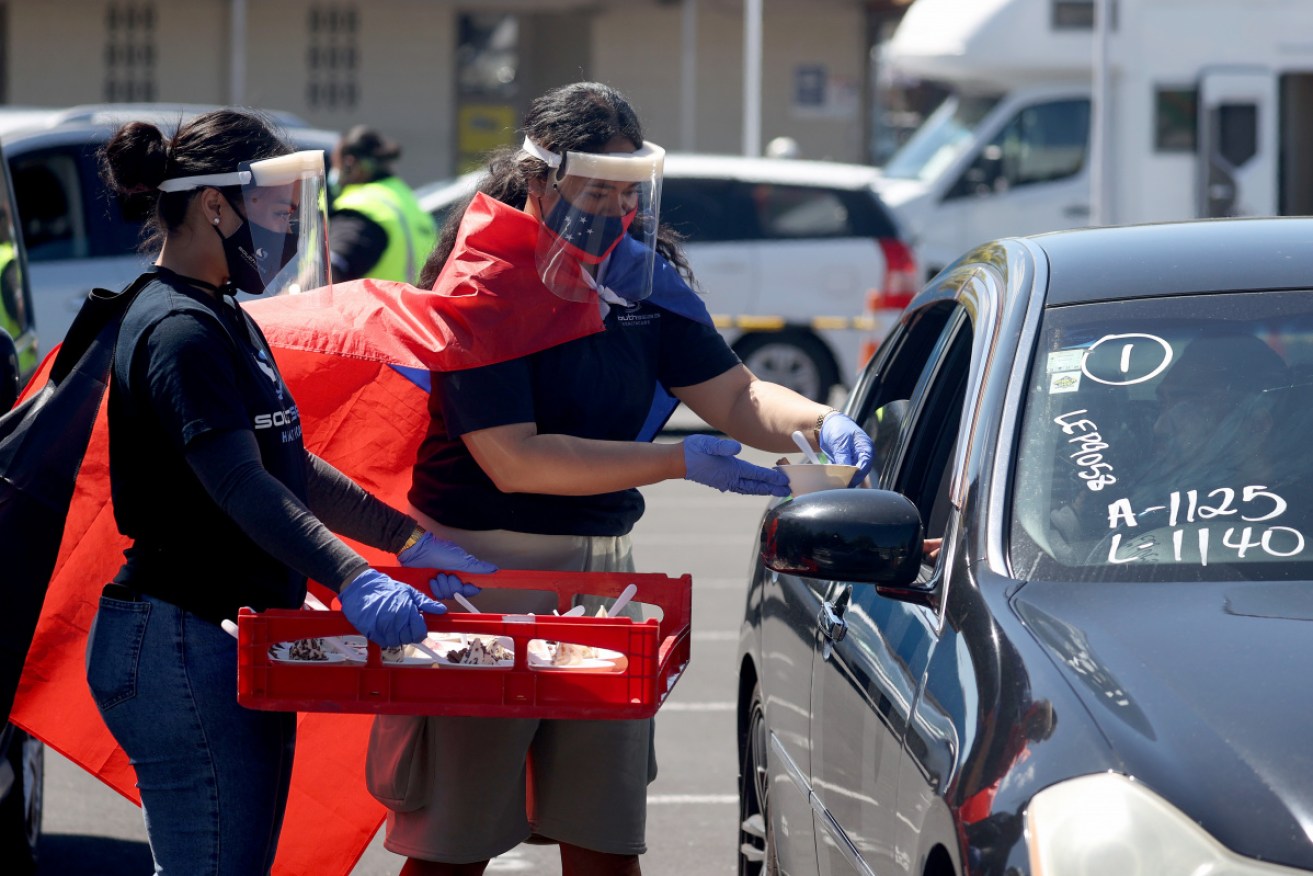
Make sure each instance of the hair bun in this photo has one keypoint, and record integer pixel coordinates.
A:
(135, 159)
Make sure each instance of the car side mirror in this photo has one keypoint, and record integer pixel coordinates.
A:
(856, 535)
(8, 371)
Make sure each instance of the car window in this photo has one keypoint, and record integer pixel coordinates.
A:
(50, 206)
(1042, 143)
(883, 403)
(927, 470)
(708, 210)
(1167, 438)
(15, 296)
(801, 211)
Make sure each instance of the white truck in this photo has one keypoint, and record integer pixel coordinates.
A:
(1207, 111)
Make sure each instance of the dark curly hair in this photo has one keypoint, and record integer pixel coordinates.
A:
(139, 156)
(581, 117)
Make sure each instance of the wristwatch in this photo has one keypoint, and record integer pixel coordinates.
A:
(820, 421)
(413, 540)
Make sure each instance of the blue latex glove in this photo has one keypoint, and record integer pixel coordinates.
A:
(445, 586)
(845, 443)
(431, 552)
(711, 461)
(385, 610)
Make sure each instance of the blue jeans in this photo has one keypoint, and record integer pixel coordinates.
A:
(213, 775)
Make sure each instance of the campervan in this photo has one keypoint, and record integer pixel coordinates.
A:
(1206, 111)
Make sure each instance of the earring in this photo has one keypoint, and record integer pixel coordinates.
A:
(215, 220)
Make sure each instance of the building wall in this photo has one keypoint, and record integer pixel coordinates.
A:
(56, 55)
(404, 73)
(825, 34)
(56, 51)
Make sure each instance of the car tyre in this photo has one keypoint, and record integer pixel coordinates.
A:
(757, 854)
(20, 810)
(791, 358)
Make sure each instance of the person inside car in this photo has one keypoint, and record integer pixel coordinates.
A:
(1212, 428)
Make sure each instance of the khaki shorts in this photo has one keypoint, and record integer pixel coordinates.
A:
(589, 779)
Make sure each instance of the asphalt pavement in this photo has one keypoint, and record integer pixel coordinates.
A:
(692, 805)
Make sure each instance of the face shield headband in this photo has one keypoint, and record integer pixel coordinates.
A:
(282, 244)
(605, 214)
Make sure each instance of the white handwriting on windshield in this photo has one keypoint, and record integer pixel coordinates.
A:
(1123, 360)
(1088, 446)
(1251, 504)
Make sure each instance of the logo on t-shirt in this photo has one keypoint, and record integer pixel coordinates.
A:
(638, 316)
(289, 420)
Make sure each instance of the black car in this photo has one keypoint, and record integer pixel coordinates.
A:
(22, 757)
(1104, 669)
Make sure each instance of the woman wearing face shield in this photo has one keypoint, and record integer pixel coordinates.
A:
(534, 463)
(224, 506)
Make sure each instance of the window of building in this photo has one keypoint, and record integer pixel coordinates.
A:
(130, 52)
(333, 56)
(4, 52)
(1176, 119)
(1078, 14)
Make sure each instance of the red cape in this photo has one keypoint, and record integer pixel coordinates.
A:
(356, 358)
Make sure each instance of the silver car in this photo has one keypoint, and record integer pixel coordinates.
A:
(77, 233)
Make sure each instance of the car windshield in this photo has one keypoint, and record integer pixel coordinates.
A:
(1167, 439)
(941, 138)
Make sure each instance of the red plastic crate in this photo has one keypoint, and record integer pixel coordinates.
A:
(657, 652)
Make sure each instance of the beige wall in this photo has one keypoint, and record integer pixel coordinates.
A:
(647, 68)
(55, 54)
(406, 74)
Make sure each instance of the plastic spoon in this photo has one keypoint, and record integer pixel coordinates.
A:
(623, 600)
(805, 448)
(312, 601)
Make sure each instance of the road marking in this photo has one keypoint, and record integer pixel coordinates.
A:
(766, 322)
(686, 799)
(716, 636)
(698, 707)
(652, 542)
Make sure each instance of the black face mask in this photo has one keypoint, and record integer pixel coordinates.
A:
(249, 265)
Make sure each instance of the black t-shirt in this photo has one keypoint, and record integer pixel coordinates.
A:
(599, 386)
(187, 365)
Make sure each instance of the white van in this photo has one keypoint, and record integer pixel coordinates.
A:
(1209, 112)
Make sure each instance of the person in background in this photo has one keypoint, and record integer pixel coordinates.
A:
(534, 463)
(379, 230)
(223, 505)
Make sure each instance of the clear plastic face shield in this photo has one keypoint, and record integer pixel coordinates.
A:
(282, 246)
(593, 200)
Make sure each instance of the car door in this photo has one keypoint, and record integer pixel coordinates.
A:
(1032, 176)
(819, 258)
(719, 230)
(872, 651)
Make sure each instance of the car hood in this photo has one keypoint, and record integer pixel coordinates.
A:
(1205, 693)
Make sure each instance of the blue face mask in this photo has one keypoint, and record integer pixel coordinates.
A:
(589, 237)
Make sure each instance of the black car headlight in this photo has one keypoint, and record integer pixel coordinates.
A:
(1108, 823)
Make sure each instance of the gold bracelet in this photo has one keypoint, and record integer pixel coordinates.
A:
(820, 421)
(413, 540)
